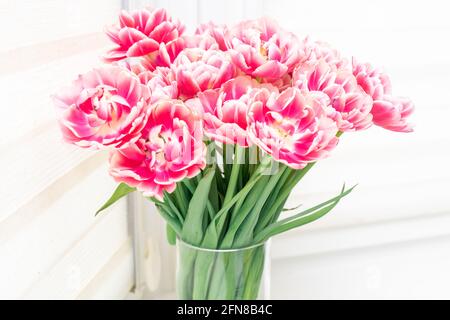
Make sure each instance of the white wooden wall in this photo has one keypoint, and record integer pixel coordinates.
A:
(388, 239)
(391, 237)
(51, 246)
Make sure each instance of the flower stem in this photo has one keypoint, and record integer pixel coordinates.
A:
(232, 184)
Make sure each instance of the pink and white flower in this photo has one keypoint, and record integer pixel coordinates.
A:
(167, 53)
(351, 104)
(388, 111)
(293, 127)
(170, 150)
(374, 82)
(225, 110)
(104, 107)
(392, 113)
(161, 81)
(140, 33)
(162, 85)
(261, 49)
(317, 50)
(217, 32)
(197, 70)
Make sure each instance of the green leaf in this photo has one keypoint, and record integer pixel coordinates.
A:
(190, 185)
(192, 228)
(293, 178)
(292, 209)
(181, 198)
(121, 191)
(173, 208)
(243, 212)
(215, 227)
(236, 169)
(269, 212)
(245, 232)
(214, 195)
(171, 235)
(301, 218)
(165, 212)
(211, 205)
(226, 165)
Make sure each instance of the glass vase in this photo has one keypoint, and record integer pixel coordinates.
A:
(214, 274)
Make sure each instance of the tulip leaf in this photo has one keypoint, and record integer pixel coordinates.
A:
(301, 218)
(192, 231)
(294, 177)
(243, 212)
(245, 230)
(173, 208)
(235, 173)
(292, 209)
(171, 235)
(121, 191)
(217, 225)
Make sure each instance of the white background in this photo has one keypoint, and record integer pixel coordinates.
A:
(389, 239)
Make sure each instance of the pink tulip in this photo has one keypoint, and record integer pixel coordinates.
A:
(161, 81)
(388, 111)
(317, 50)
(170, 150)
(105, 107)
(392, 112)
(374, 82)
(261, 49)
(350, 103)
(140, 33)
(167, 53)
(281, 83)
(292, 127)
(218, 32)
(225, 111)
(197, 70)
(162, 85)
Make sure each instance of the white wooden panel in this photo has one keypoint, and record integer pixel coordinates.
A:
(160, 261)
(221, 11)
(378, 166)
(39, 55)
(388, 202)
(383, 14)
(185, 10)
(47, 229)
(28, 93)
(116, 278)
(51, 245)
(32, 165)
(34, 21)
(410, 270)
(374, 244)
(326, 237)
(78, 267)
(254, 9)
(385, 32)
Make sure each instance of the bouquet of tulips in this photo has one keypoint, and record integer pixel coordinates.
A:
(218, 127)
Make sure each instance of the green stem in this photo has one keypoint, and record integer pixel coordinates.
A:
(232, 184)
(181, 199)
(226, 165)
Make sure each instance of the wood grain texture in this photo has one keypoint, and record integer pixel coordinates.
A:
(403, 270)
(32, 22)
(115, 280)
(51, 245)
(46, 230)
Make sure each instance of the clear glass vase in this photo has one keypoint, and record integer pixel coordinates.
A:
(234, 274)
